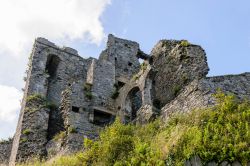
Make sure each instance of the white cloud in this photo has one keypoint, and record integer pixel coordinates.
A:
(23, 20)
(9, 107)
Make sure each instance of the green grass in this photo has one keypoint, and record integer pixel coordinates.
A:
(220, 133)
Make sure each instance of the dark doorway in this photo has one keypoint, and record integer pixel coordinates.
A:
(102, 118)
(133, 102)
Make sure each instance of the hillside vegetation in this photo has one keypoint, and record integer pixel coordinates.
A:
(220, 133)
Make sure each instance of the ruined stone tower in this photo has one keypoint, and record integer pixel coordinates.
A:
(68, 97)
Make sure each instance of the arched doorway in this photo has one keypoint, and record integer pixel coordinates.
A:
(133, 103)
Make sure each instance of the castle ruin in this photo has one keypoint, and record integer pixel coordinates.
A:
(74, 97)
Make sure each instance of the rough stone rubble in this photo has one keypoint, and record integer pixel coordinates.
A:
(76, 97)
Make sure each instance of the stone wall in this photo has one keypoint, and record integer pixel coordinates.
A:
(51, 70)
(198, 94)
(123, 55)
(5, 149)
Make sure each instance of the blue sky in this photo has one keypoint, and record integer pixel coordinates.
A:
(222, 28)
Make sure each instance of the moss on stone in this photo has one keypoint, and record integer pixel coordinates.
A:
(72, 129)
(184, 43)
(176, 90)
(23, 140)
(87, 87)
(26, 131)
(60, 136)
(35, 97)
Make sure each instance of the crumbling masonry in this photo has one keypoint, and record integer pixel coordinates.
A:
(68, 97)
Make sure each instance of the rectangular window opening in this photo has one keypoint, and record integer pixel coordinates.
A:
(75, 109)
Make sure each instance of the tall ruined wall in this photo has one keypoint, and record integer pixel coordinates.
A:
(51, 70)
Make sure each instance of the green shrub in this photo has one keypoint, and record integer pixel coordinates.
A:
(35, 97)
(143, 66)
(184, 43)
(26, 131)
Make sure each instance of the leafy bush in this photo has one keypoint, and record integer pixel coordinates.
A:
(184, 43)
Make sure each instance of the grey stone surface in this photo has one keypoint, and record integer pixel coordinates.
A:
(195, 161)
(5, 149)
(236, 163)
(224, 163)
(146, 114)
(176, 66)
(198, 94)
(212, 163)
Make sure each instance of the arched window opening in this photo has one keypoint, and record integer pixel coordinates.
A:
(133, 102)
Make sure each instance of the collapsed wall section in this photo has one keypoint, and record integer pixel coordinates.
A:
(199, 93)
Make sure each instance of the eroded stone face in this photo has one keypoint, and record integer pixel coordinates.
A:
(176, 66)
(5, 149)
(199, 93)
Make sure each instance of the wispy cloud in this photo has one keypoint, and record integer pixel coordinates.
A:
(24, 20)
(9, 107)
